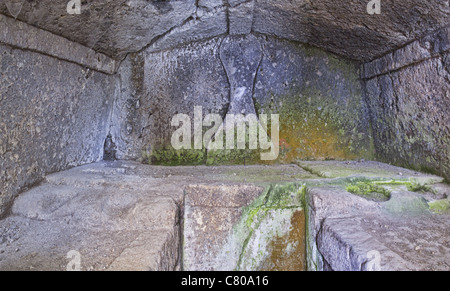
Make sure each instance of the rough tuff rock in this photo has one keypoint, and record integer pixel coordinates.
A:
(210, 214)
(317, 95)
(408, 94)
(117, 27)
(128, 216)
(114, 221)
(53, 116)
(353, 234)
(243, 227)
(117, 215)
(241, 57)
(58, 106)
(157, 86)
(172, 74)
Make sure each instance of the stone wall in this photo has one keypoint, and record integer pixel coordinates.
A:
(156, 86)
(53, 112)
(317, 94)
(408, 92)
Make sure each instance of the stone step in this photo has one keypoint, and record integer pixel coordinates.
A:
(128, 216)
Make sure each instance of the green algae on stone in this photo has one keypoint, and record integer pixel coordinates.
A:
(239, 154)
(320, 104)
(266, 174)
(312, 127)
(369, 190)
(269, 229)
(233, 157)
(277, 197)
(321, 107)
(171, 157)
(418, 187)
(440, 206)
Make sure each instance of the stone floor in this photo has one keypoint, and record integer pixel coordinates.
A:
(128, 216)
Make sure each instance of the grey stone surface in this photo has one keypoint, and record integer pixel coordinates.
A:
(115, 221)
(343, 27)
(368, 169)
(317, 94)
(318, 98)
(157, 86)
(205, 24)
(125, 121)
(349, 233)
(128, 216)
(408, 111)
(59, 102)
(117, 28)
(405, 203)
(117, 215)
(240, 17)
(241, 57)
(210, 214)
(211, 4)
(420, 50)
(19, 34)
(113, 27)
(53, 116)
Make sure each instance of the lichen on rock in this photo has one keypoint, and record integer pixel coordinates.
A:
(273, 231)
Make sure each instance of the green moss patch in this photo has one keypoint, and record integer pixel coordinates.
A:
(370, 191)
(440, 206)
(418, 187)
(261, 230)
(314, 127)
(233, 157)
(171, 157)
(276, 197)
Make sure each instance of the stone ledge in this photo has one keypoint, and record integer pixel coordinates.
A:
(24, 36)
(350, 233)
(417, 51)
(128, 216)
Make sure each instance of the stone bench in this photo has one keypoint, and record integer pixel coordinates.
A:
(128, 216)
